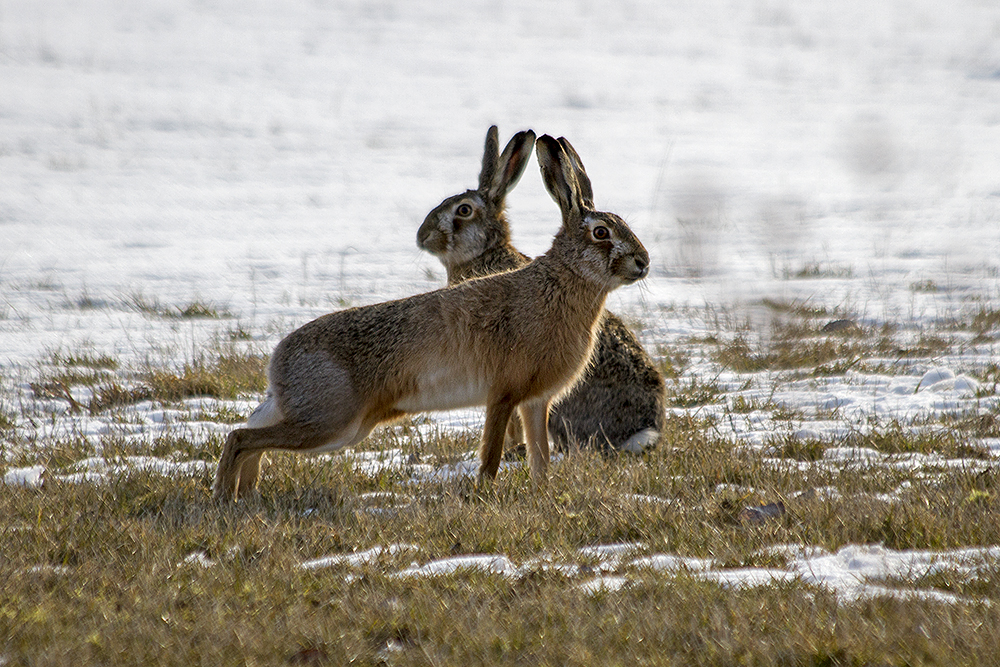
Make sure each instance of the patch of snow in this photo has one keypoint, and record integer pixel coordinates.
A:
(934, 377)
(198, 559)
(853, 572)
(610, 555)
(645, 499)
(48, 569)
(494, 564)
(30, 476)
(373, 463)
(95, 470)
(358, 558)
(603, 584)
(670, 563)
(748, 577)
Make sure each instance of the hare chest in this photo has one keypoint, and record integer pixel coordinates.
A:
(446, 389)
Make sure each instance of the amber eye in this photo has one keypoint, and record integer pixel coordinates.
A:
(601, 233)
(464, 211)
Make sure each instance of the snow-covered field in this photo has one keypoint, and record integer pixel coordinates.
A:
(274, 160)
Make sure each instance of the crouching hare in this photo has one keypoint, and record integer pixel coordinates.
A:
(620, 401)
(510, 341)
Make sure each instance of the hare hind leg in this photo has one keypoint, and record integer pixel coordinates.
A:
(327, 416)
(245, 446)
(266, 414)
(249, 473)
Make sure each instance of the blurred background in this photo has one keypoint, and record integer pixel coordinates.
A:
(279, 157)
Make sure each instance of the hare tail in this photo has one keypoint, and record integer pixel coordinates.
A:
(641, 441)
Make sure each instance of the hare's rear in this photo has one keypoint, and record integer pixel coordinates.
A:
(620, 402)
(513, 340)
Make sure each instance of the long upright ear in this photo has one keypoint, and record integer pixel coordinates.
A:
(491, 158)
(559, 175)
(586, 190)
(512, 162)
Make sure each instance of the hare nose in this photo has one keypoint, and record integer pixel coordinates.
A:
(641, 266)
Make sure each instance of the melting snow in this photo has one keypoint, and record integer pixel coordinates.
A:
(485, 563)
(358, 558)
(853, 572)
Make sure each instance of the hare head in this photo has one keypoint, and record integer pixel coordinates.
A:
(596, 245)
(464, 226)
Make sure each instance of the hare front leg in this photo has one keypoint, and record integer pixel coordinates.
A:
(535, 417)
(498, 413)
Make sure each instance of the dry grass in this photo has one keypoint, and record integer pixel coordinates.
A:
(225, 373)
(151, 307)
(802, 344)
(101, 573)
(95, 573)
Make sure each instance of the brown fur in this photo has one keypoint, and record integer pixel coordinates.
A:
(510, 341)
(620, 402)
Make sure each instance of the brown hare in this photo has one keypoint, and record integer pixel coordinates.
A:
(513, 340)
(620, 402)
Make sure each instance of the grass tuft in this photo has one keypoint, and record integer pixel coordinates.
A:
(815, 270)
(693, 393)
(151, 307)
(800, 344)
(227, 375)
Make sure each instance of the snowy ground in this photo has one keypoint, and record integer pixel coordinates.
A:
(274, 160)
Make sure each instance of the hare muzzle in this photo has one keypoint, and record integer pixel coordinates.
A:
(635, 267)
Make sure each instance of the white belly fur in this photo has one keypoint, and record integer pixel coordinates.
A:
(445, 389)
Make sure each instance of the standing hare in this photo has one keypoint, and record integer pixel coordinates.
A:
(620, 402)
(514, 340)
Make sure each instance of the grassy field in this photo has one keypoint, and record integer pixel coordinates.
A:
(139, 566)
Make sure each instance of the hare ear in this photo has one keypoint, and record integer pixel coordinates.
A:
(511, 165)
(491, 158)
(586, 190)
(559, 176)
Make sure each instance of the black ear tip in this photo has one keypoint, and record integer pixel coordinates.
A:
(549, 143)
(525, 136)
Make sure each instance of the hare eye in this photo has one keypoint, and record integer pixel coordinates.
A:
(601, 233)
(463, 211)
